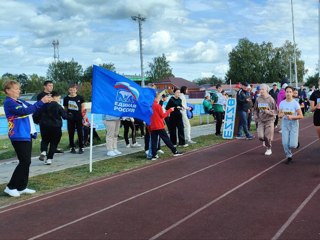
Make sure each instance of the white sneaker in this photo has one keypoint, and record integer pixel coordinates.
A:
(160, 151)
(47, 162)
(186, 145)
(116, 151)
(111, 153)
(191, 142)
(27, 191)
(128, 145)
(136, 145)
(268, 152)
(42, 156)
(263, 143)
(12, 192)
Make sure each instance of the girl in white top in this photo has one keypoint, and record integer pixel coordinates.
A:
(290, 112)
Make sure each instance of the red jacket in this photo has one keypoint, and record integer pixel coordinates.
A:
(157, 116)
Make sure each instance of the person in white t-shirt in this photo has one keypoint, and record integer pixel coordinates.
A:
(290, 112)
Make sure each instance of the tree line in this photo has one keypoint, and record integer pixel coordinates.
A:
(248, 62)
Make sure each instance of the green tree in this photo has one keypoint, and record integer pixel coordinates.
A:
(87, 74)
(35, 84)
(251, 62)
(312, 80)
(213, 80)
(61, 71)
(86, 91)
(159, 69)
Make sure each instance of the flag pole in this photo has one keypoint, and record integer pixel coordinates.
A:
(91, 142)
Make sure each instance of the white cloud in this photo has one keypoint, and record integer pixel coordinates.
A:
(201, 52)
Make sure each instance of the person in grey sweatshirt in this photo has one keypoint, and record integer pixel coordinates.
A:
(264, 114)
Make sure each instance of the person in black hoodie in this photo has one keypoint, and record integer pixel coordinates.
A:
(51, 122)
(175, 119)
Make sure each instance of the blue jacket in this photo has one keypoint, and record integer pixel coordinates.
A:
(18, 120)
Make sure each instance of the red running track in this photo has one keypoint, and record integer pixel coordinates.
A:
(227, 191)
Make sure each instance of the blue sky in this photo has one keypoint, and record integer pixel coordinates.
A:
(196, 36)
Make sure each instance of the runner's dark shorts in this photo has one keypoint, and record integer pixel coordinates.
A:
(316, 118)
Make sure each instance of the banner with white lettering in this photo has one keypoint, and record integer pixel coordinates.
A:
(229, 118)
(115, 95)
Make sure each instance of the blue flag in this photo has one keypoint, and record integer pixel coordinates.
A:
(115, 95)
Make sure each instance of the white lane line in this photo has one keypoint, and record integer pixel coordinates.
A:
(139, 195)
(221, 197)
(295, 214)
(36, 200)
(196, 151)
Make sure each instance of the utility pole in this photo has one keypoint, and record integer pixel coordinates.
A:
(55, 44)
(140, 19)
(294, 49)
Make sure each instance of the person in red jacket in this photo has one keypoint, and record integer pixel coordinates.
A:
(157, 128)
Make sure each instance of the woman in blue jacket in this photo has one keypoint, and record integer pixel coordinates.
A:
(21, 130)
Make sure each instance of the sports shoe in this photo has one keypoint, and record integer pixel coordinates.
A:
(268, 152)
(27, 191)
(128, 145)
(263, 143)
(12, 192)
(289, 160)
(177, 154)
(42, 156)
(80, 150)
(116, 151)
(59, 150)
(186, 145)
(136, 145)
(153, 159)
(191, 142)
(47, 162)
(250, 138)
(240, 137)
(111, 153)
(160, 151)
(73, 150)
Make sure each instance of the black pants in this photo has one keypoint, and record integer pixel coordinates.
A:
(20, 176)
(218, 117)
(147, 137)
(50, 136)
(129, 125)
(276, 121)
(139, 125)
(72, 125)
(174, 124)
(155, 134)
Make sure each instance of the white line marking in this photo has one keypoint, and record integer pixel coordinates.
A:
(295, 214)
(196, 151)
(139, 195)
(221, 197)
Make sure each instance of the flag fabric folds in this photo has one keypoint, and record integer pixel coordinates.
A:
(115, 95)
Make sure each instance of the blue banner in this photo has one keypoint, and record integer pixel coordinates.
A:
(115, 95)
(229, 118)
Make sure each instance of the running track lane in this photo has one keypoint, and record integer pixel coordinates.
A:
(252, 195)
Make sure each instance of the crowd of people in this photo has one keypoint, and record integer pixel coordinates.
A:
(170, 122)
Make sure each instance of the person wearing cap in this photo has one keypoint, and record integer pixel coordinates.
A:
(207, 105)
(243, 105)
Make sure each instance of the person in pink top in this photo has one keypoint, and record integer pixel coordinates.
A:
(281, 97)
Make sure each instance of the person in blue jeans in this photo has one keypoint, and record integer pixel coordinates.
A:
(290, 112)
(244, 102)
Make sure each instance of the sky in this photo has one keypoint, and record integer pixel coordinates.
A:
(195, 35)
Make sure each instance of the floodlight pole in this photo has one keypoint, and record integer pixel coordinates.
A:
(294, 49)
(140, 19)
